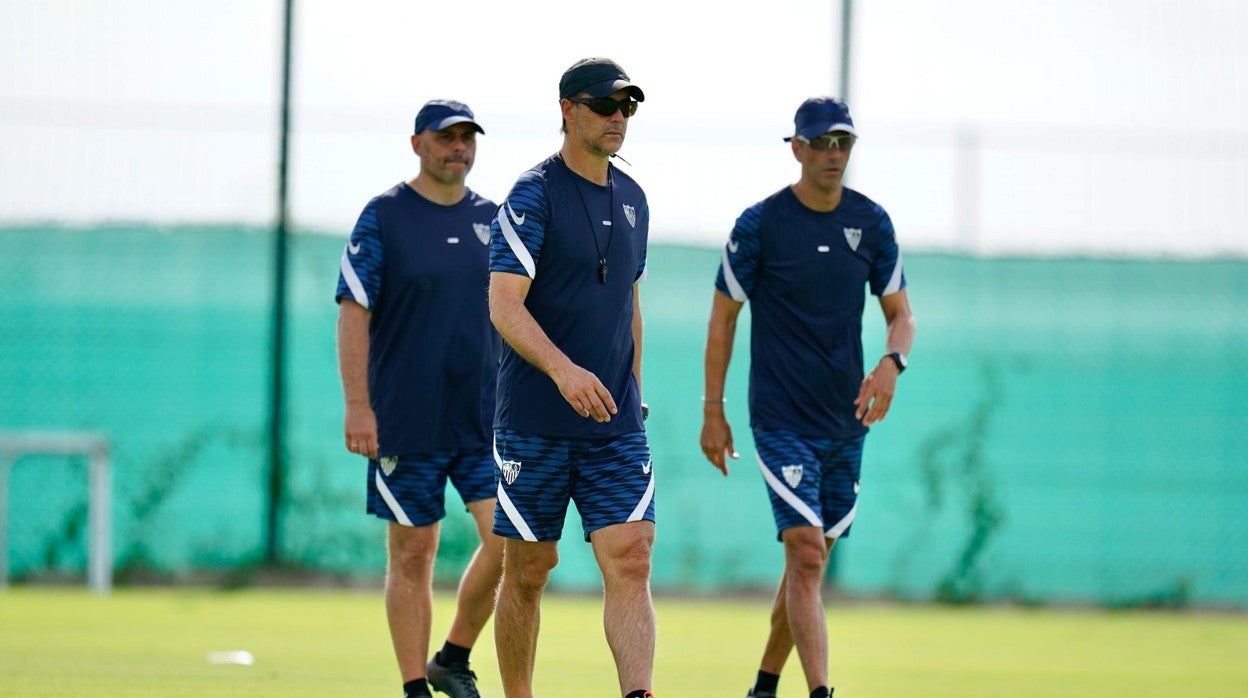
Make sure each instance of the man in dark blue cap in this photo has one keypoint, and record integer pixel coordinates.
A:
(568, 254)
(804, 258)
(418, 358)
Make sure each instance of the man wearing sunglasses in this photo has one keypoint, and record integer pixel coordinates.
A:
(568, 251)
(803, 257)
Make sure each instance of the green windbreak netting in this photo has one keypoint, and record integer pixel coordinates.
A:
(1070, 430)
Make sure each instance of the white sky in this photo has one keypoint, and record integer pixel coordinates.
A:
(1093, 126)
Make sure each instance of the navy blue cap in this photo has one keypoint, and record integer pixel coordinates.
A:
(600, 77)
(437, 114)
(820, 115)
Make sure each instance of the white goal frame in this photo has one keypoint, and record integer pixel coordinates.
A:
(97, 448)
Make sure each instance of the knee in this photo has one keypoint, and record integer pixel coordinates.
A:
(411, 559)
(631, 562)
(491, 549)
(530, 571)
(806, 557)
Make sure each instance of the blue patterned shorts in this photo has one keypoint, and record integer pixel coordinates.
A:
(811, 482)
(611, 481)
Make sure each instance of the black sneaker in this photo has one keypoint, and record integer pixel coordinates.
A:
(456, 681)
(759, 694)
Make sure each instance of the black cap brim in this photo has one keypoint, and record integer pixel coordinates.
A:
(606, 88)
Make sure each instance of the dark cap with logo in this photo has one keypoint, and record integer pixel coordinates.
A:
(600, 77)
(820, 115)
(438, 114)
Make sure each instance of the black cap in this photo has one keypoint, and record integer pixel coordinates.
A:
(600, 77)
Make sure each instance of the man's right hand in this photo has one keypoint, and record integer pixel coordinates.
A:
(584, 392)
(359, 430)
(717, 440)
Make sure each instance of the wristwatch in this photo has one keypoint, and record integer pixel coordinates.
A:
(899, 359)
(645, 411)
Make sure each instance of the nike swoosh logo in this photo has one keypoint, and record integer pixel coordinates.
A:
(353, 249)
(732, 246)
(518, 220)
(645, 469)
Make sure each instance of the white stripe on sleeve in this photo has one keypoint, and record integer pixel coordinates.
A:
(353, 281)
(513, 241)
(730, 279)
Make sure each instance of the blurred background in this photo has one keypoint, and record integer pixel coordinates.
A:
(1069, 183)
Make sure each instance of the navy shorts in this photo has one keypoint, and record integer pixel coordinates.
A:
(811, 482)
(611, 481)
(411, 490)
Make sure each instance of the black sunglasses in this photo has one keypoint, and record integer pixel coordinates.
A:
(607, 107)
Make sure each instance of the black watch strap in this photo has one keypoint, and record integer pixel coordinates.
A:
(899, 359)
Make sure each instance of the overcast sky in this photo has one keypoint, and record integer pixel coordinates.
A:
(988, 126)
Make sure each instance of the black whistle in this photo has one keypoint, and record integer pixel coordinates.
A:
(602, 271)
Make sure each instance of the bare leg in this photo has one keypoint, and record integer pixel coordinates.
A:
(780, 638)
(805, 559)
(526, 569)
(623, 552)
(409, 594)
(479, 583)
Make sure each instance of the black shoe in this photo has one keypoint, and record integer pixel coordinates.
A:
(759, 694)
(456, 681)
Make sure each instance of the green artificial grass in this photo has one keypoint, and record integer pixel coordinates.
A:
(157, 641)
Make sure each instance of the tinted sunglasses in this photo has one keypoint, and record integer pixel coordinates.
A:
(607, 107)
(829, 142)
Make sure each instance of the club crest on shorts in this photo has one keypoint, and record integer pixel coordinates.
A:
(631, 214)
(792, 474)
(853, 236)
(510, 469)
(388, 464)
(483, 232)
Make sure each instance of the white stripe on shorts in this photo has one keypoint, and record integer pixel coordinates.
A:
(391, 502)
(836, 531)
(787, 495)
(513, 515)
(640, 510)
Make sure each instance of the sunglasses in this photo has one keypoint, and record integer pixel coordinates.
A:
(829, 142)
(607, 107)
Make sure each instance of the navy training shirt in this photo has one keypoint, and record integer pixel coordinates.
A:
(422, 269)
(805, 273)
(554, 227)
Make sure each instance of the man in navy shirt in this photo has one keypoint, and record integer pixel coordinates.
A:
(567, 253)
(803, 258)
(418, 358)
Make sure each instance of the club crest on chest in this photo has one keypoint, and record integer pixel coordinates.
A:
(853, 236)
(631, 214)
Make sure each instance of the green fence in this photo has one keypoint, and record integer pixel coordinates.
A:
(1070, 430)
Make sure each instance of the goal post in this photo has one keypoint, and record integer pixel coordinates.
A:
(97, 449)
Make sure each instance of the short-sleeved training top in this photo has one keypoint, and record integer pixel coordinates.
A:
(805, 273)
(422, 269)
(556, 227)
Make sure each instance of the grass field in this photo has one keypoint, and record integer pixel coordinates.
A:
(155, 642)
